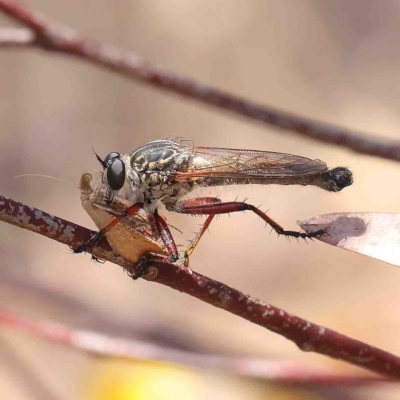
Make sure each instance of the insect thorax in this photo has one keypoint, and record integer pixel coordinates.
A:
(156, 164)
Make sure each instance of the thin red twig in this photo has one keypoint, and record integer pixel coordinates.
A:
(108, 346)
(306, 335)
(54, 37)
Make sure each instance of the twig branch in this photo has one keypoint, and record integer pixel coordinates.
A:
(277, 371)
(307, 336)
(108, 346)
(54, 37)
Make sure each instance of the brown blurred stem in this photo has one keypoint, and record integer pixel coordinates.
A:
(306, 335)
(109, 346)
(51, 36)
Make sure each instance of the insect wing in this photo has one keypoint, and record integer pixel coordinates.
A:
(242, 164)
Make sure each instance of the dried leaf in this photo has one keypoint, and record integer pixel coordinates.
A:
(375, 235)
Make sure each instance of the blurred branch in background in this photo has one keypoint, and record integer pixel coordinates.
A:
(307, 336)
(108, 346)
(54, 37)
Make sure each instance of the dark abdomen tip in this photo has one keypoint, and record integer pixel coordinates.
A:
(338, 178)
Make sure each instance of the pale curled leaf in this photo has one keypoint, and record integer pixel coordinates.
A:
(373, 234)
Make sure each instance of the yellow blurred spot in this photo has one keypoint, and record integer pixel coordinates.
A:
(122, 380)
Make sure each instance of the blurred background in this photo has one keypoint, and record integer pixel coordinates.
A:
(335, 61)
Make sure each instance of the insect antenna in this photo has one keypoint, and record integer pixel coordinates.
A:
(43, 176)
(99, 159)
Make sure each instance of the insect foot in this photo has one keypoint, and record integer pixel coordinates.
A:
(86, 245)
(141, 267)
(145, 267)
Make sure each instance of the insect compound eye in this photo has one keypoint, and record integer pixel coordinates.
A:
(115, 171)
(110, 158)
(116, 174)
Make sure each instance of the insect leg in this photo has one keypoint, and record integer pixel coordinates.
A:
(166, 236)
(132, 210)
(198, 202)
(208, 208)
(189, 250)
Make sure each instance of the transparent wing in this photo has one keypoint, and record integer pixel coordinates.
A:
(234, 163)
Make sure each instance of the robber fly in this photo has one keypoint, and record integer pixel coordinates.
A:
(165, 171)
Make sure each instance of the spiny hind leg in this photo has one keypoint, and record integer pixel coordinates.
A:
(205, 206)
(185, 204)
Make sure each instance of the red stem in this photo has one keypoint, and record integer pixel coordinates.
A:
(103, 345)
(306, 335)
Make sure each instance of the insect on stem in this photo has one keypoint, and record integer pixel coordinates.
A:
(124, 198)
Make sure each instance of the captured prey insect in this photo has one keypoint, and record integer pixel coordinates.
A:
(133, 186)
(135, 234)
